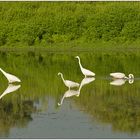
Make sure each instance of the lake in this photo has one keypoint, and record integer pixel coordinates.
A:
(40, 107)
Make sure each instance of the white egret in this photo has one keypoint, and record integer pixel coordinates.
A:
(68, 83)
(119, 75)
(84, 71)
(11, 78)
(9, 89)
(70, 93)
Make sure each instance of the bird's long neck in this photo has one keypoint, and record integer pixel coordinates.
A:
(131, 76)
(126, 77)
(80, 63)
(62, 77)
(2, 71)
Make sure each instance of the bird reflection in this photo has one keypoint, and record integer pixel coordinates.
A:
(10, 88)
(86, 81)
(70, 93)
(120, 82)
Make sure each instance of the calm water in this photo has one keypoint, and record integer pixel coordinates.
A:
(98, 110)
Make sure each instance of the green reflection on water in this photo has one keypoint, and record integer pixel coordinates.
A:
(118, 106)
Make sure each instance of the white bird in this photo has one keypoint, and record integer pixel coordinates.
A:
(11, 78)
(68, 83)
(119, 75)
(70, 93)
(10, 88)
(85, 71)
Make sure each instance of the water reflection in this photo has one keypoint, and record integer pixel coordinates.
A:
(9, 89)
(117, 107)
(86, 81)
(120, 82)
(70, 93)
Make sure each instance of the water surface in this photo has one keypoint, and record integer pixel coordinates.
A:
(99, 110)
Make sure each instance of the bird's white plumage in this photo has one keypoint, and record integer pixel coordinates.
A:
(70, 93)
(71, 83)
(11, 78)
(118, 75)
(68, 83)
(86, 72)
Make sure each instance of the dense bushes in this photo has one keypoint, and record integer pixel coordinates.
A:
(34, 23)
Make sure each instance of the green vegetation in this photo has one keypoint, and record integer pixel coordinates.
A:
(34, 28)
(52, 23)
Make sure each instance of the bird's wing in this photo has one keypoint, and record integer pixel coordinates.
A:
(11, 78)
(88, 72)
(117, 75)
(71, 83)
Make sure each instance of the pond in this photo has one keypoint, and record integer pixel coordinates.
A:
(41, 106)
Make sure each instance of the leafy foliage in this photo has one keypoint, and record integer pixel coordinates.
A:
(34, 23)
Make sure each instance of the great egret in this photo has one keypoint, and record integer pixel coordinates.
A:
(68, 83)
(84, 71)
(10, 88)
(11, 78)
(70, 93)
(119, 75)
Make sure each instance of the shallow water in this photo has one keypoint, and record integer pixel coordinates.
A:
(99, 110)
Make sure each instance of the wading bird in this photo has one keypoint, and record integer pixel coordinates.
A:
(119, 75)
(84, 71)
(11, 78)
(70, 93)
(68, 83)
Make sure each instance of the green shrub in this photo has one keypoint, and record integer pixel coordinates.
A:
(131, 30)
(35, 23)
